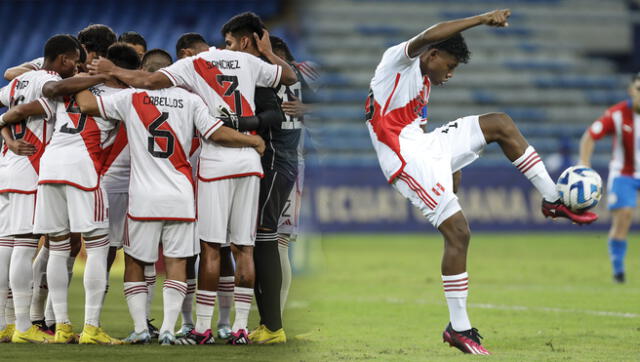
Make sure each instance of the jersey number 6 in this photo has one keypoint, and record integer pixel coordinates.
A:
(161, 137)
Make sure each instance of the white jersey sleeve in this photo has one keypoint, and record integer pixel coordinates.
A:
(397, 57)
(180, 73)
(37, 63)
(115, 106)
(267, 75)
(203, 119)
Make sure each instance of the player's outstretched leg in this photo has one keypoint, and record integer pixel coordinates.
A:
(455, 280)
(500, 128)
(225, 292)
(621, 222)
(208, 275)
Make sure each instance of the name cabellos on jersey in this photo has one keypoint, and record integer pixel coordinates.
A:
(20, 173)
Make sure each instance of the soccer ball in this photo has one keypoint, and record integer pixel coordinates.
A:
(580, 188)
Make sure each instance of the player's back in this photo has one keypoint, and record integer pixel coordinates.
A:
(160, 128)
(75, 153)
(21, 172)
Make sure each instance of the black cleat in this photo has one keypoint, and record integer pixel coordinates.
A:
(153, 331)
(466, 341)
(619, 278)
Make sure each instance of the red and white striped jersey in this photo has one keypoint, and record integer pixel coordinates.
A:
(394, 108)
(623, 124)
(76, 152)
(225, 78)
(116, 167)
(160, 128)
(20, 173)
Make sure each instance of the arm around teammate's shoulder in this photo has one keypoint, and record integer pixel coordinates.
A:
(135, 78)
(22, 111)
(229, 137)
(88, 103)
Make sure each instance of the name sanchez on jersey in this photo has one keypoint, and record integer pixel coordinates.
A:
(223, 64)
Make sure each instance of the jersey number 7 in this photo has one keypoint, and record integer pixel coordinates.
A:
(161, 137)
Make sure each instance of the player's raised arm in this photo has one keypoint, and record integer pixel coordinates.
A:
(71, 85)
(263, 44)
(446, 29)
(22, 111)
(13, 72)
(135, 78)
(228, 137)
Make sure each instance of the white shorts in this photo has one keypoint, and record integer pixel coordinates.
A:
(19, 210)
(289, 219)
(427, 177)
(61, 207)
(142, 239)
(228, 210)
(118, 205)
(5, 214)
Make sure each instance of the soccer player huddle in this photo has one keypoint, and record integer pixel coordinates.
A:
(114, 146)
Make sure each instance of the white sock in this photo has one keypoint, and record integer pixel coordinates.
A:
(225, 299)
(58, 278)
(173, 294)
(6, 248)
(136, 295)
(40, 291)
(95, 278)
(150, 280)
(243, 298)
(285, 265)
(205, 303)
(456, 289)
(187, 303)
(21, 280)
(9, 311)
(531, 165)
(49, 316)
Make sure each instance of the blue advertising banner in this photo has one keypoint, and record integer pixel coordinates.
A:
(358, 199)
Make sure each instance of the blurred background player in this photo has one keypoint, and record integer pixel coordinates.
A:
(624, 176)
(168, 117)
(135, 40)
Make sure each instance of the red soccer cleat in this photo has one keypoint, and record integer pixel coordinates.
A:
(557, 209)
(466, 341)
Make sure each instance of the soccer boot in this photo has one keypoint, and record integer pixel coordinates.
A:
(224, 331)
(241, 336)
(7, 333)
(557, 209)
(143, 337)
(95, 335)
(619, 278)
(466, 341)
(255, 334)
(153, 330)
(31, 335)
(43, 327)
(194, 337)
(266, 336)
(184, 330)
(64, 334)
(166, 338)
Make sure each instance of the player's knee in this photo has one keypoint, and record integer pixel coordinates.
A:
(499, 125)
(458, 237)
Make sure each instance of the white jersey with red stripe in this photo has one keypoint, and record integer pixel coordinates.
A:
(76, 152)
(160, 129)
(116, 168)
(20, 173)
(398, 94)
(37, 63)
(225, 78)
(623, 124)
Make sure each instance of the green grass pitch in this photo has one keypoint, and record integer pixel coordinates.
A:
(534, 297)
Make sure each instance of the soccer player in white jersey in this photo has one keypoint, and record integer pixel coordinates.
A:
(419, 165)
(71, 199)
(228, 179)
(160, 128)
(35, 64)
(19, 174)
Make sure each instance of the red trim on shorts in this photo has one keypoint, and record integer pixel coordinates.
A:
(65, 182)
(14, 191)
(161, 218)
(231, 176)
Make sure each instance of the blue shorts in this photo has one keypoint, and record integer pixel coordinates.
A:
(622, 192)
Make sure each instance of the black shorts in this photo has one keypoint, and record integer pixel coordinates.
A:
(274, 192)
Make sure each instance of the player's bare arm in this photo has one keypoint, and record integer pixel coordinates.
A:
(295, 108)
(587, 144)
(87, 103)
(71, 85)
(264, 47)
(135, 78)
(19, 147)
(457, 178)
(20, 112)
(13, 72)
(446, 29)
(229, 137)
